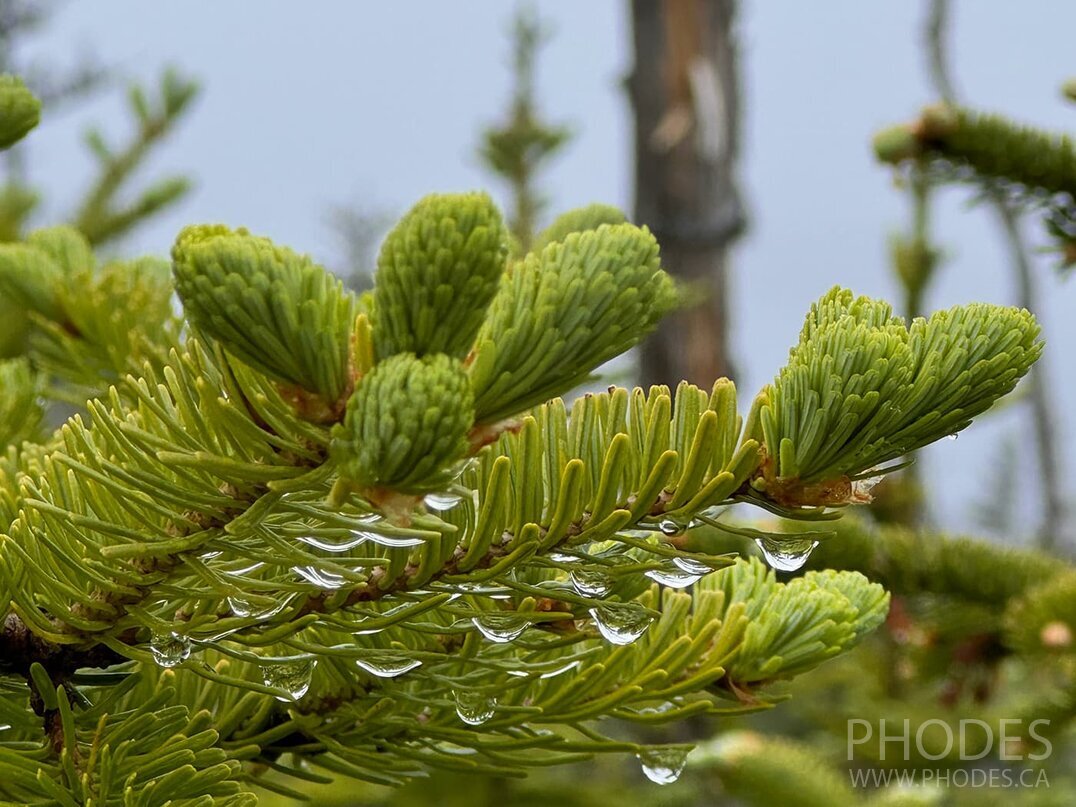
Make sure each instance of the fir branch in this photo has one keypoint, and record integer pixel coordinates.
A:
(20, 111)
(516, 149)
(274, 309)
(1042, 621)
(1018, 166)
(561, 313)
(992, 146)
(195, 521)
(100, 217)
(579, 220)
(437, 272)
(21, 414)
(87, 325)
(760, 770)
(914, 562)
(862, 388)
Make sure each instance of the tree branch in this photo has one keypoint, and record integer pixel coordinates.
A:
(1043, 409)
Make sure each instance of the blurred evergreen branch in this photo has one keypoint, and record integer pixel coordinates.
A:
(516, 149)
(101, 216)
(976, 634)
(1017, 168)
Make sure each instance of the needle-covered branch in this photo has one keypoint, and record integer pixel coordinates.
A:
(368, 533)
(1031, 167)
(101, 217)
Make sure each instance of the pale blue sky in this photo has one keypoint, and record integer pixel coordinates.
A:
(310, 105)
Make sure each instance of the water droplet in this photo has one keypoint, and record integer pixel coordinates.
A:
(672, 575)
(170, 650)
(621, 623)
(465, 466)
(368, 631)
(670, 527)
(475, 708)
(562, 557)
(786, 553)
(210, 555)
(442, 501)
(242, 608)
(391, 541)
(500, 627)
(335, 546)
(951, 436)
(590, 582)
(692, 566)
(660, 709)
(663, 766)
(245, 570)
(560, 671)
(386, 666)
(293, 677)
(861, 488)
(456, 750)
(482, 589)
(319, 577)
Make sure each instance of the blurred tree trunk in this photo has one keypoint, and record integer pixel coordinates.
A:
(685, 92)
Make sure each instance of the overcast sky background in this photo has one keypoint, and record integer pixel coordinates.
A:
(306, 106)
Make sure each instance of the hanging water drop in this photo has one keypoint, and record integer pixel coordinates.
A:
(456, 750)
(861, 488)
(621, 623)
(474, 708)
(500, 627)
(293, 677)
(393, 542)
(560, 670)
(482, 589)
(355, 540)
(671, 528)
(951, 436)
(692, 566)
(442, 501)
(170, 650)
(786, 553)
(319, 577)
(245, 570)
(388, 666)
(465, 466)
(660, 709)
(673, 576)
(663, 766)
(243, 608)
(368, 631)
(590, 582)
